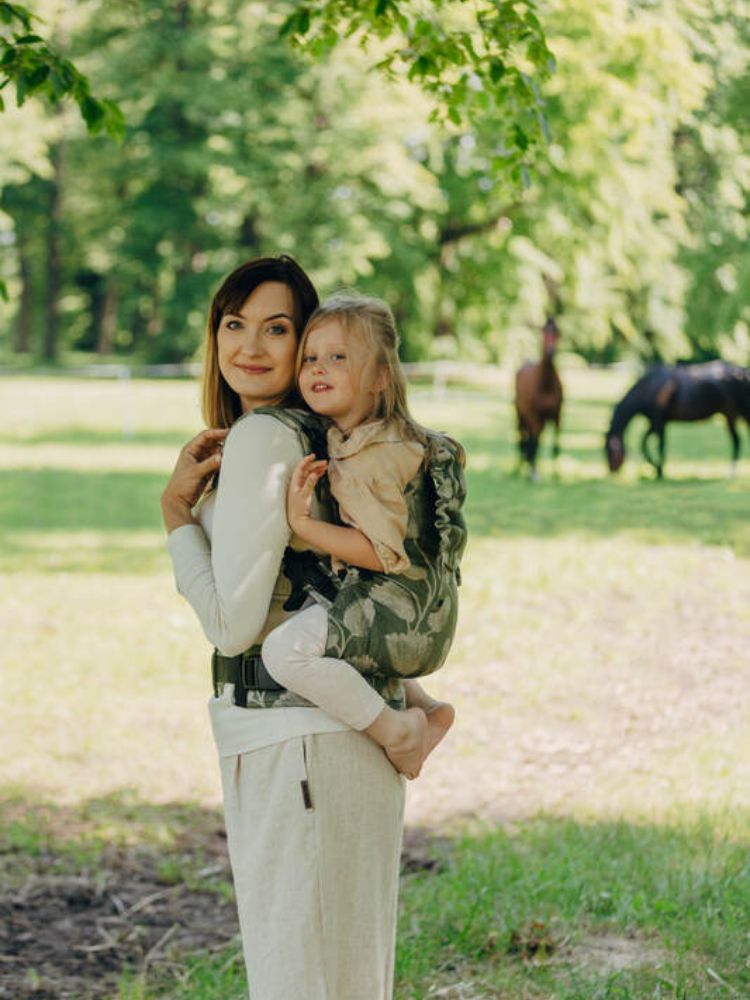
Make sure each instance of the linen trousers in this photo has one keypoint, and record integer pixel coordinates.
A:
(314, 828)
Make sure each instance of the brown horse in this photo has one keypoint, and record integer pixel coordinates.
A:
(539, 398)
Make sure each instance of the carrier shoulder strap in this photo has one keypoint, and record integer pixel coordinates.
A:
(309, 428)
(444, 467)
(307, 571)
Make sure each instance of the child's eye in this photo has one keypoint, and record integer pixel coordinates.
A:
(308, 359)
(338, 357)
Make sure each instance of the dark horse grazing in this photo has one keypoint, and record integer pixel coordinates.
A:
(539, 398)
(680, 392)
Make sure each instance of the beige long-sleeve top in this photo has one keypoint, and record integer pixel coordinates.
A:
(368, 470)
(227, 567)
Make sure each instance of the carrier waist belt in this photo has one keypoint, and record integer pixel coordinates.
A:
(246, 671)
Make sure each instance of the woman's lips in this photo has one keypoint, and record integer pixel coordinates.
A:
(253, 369)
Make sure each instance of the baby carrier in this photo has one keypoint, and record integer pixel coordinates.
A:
(399, 625)
(386, 626)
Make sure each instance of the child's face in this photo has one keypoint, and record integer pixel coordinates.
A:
(337, 378)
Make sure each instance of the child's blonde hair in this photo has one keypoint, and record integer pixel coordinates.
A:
(373, 321)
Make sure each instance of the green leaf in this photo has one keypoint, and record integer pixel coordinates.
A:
(21, 88)
(423, 66)
(37, 77)
(114, 120)
(92, 111)
(57, 85)
(10, 12)
(297, 23)
(27, 39)
(497, 70)
(520, 137)
(454, 114)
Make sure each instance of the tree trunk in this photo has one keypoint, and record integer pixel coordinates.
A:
(25, 315)
(107, 320)
(54, 258)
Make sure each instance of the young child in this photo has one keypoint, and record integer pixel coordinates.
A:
(348, 372)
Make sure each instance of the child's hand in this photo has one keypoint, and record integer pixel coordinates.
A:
(306, 474)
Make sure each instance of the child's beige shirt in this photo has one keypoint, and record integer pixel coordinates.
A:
(368, 470)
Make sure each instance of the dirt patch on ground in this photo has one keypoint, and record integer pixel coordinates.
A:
(609, 953)
(68, 933)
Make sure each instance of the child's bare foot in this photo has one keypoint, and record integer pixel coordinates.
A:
(408, 749)
(439, 720)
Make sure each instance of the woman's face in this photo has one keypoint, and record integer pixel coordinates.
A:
(257, 346)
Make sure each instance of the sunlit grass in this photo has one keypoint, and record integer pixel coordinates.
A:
(574, 575)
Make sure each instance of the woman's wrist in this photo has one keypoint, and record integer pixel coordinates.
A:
(176, 513)
(297, 526)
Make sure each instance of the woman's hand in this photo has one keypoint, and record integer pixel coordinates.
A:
(306, 474)
(196, 464)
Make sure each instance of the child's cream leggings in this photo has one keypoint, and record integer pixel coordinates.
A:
(293, 655)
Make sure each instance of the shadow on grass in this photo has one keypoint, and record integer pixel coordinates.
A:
(62, 500)
(547, 907)
(36, 503)
(712, 512)
(55, 520)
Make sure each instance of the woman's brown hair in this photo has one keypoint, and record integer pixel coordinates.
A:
(220, 404)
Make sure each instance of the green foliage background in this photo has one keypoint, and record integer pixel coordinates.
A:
(465, 182)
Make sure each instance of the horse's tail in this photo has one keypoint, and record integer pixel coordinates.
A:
(741, 383)
(736, 382)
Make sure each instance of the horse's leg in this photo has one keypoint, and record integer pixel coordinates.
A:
(661, 436)
(735, 445)
(556, 439)
(523, 441)
(645, 448)
(657, 463)
(533, 447)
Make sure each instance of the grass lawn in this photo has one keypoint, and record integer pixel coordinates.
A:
(588, 819)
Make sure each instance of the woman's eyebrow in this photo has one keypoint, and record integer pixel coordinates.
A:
(267, 319)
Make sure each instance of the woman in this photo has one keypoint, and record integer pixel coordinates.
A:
(314, 810)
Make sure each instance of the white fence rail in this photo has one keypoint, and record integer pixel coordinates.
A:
(440, 374)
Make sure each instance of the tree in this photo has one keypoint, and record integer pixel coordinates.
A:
(712, 156)
(633, 231)
(601, 234)
(191, 177)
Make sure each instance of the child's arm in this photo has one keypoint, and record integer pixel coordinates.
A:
(347, 544)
